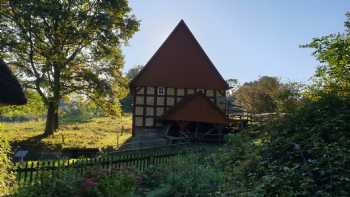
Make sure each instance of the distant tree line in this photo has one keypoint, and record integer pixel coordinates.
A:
(267, 94)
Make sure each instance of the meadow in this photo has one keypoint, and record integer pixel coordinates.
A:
(99, 133)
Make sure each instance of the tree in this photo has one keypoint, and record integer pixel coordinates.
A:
(126, 102)
(133, 72)
(34, 108)
(268, 94)
(332, 51)
(63, 47)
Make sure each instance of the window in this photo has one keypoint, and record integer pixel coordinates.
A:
(161, 91)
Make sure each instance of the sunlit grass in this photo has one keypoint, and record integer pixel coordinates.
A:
(95, 133)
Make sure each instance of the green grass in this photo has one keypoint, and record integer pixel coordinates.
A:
(95, 133)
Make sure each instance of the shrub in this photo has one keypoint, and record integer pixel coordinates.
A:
(95, 183)
(64, 184)
(304, 154)
(187, 176)
(6, 176)
(119, 183)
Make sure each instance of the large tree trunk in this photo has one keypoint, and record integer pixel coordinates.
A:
(53, 102)
(56, 119)
(51, 118)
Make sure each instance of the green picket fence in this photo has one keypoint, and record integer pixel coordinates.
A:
(33, 171)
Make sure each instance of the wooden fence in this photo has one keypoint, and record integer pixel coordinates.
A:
(33, 171)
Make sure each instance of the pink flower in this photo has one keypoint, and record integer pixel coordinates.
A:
(88, 184)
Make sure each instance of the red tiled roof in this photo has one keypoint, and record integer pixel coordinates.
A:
(196, 108)
(180, 62)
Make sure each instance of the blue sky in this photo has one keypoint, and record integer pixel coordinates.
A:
(244, 39)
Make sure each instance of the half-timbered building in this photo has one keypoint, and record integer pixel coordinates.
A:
(179, 84)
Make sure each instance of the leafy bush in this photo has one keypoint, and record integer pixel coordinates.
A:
(186, 176)
(239, 154)
(66, 184)
(6, 177)
(304, 154)
(95, 183)
(119, 183)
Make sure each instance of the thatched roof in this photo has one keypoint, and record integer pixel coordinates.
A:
(11, 92)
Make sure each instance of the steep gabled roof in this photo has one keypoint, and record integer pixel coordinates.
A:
(11, 92)
(180, 62)
(196, 108)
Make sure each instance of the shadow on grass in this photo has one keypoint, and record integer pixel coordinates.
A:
(35, 146)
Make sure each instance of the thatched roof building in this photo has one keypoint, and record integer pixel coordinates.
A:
(11, 92)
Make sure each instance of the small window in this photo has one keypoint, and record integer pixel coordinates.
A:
(161, 91)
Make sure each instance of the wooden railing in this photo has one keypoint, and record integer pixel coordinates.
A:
(33, 171)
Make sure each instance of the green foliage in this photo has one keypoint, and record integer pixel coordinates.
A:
(189, 175)
(332, 51)
(122, 183)
(126, 102)
(94, 133)
(133, 72)
(79, 109)
(64, 184)
(268, 94)
(33, 109)
(241, 153)
(303, 154)
(6, 176)
(96, 183)
(64, 47)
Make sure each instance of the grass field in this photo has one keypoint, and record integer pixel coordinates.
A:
(95, 133)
